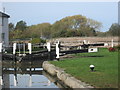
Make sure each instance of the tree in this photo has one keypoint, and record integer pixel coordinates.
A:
(94, 24)
(76, 25)
(38, 31)
(11, 26)
(114, 29)
(21, 25)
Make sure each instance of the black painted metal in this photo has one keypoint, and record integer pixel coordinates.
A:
(45, 55)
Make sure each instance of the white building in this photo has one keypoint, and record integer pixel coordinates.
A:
(4, 30)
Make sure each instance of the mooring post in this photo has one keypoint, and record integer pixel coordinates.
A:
(57, 51)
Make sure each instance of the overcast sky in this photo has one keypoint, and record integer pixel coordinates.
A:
(40, 12)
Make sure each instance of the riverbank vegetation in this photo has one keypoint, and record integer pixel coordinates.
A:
(106, 68)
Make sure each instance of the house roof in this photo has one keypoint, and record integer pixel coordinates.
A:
(4, 15)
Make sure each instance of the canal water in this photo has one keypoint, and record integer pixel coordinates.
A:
(27, 74)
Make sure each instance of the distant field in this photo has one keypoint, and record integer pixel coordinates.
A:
(106, 68)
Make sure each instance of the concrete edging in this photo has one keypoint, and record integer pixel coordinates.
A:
(63, 76)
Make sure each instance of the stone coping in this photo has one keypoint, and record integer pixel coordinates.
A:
(66, 78)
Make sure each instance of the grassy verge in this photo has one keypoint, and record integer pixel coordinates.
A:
(106, 68)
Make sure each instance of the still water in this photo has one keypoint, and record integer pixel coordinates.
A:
(27, 74)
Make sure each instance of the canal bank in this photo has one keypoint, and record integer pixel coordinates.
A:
(66, 78)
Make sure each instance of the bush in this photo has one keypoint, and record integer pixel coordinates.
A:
(117, 47)
(111, 49)
(37, 40)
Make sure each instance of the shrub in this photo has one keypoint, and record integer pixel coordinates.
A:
(117, 47)
(37, 40)
(111, 49)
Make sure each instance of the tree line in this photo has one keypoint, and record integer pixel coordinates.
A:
(71, 26)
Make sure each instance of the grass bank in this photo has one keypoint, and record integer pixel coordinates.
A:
(106, 68)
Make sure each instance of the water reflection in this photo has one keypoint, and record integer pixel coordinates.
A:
(25, 75)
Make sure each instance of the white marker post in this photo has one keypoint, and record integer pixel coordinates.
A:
(30, 48)
(0, 47)
(14, 48)
(48, 46)
(57, 51)
(112, 43)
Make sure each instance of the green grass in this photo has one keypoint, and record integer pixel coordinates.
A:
(106, 68)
